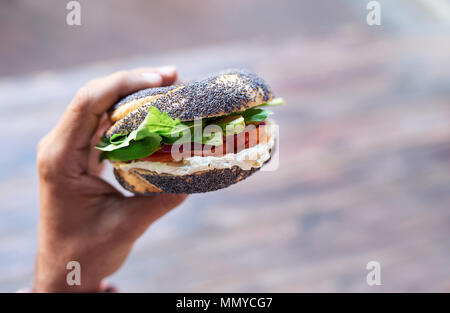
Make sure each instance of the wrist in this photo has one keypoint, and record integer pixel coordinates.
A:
(58, 270)
(50, 278)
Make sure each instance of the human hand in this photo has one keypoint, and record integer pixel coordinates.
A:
(82, 217)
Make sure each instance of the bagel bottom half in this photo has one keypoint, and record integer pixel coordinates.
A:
(144, 182)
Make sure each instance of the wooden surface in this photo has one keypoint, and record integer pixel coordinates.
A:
(364, 172)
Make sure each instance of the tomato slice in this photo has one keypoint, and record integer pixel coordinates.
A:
(250, 137)
(158, 156)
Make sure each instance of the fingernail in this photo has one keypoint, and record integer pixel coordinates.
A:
(153, 78)
(167, 70)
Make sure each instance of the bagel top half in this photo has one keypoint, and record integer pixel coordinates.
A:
(218, 94)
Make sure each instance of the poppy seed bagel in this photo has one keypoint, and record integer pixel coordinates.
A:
(143, 182)
(218, 94)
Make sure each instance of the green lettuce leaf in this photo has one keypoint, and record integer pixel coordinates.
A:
(232, 124)
(114, 144)
(157, 123)
(212, 135)
(255, 114)
(185, 132)
(117, 139)
(273, 102)
(137, 150)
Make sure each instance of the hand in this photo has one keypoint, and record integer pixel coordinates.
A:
(82, 217)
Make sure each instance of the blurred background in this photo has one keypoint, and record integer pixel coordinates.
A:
(364, 171)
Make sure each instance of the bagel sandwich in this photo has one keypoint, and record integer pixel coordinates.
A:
(194, 137)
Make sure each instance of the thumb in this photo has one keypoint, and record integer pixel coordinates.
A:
(140, 211)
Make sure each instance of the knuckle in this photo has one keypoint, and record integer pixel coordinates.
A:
(41, 144)
(81, 100)
(44, 166)
(46, 159)
(120, 77)
(120, 74)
